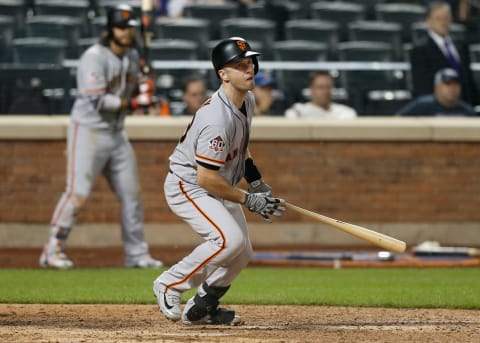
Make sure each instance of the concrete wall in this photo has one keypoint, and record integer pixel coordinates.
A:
(413, 178)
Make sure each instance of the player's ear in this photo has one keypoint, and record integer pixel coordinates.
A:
(223, 75)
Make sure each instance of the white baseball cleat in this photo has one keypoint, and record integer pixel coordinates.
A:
(144, 263)
(193, 315)
(169, 302)
(55, 258)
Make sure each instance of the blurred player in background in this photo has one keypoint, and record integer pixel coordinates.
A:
(108, 87)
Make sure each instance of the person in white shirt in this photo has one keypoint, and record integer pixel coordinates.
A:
(320, 104)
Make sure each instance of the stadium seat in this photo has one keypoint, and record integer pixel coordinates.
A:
(385, 102)
(15, 9)
(84, 44)
(97, 26)
(56, 26)
(358, 82)
(403, 13)
(293, 81)
(314, 30)
(475, 58)
(340, 12)
(184, 28)
(39, 50)
(77, 9)
(257, 10)
(418, 30)
(377, 31)
(7, 31)
(214, 13)
(173, 49)
(261, 30)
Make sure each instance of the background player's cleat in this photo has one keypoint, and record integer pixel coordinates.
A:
(54, 258)
(194, 315)
(144, 262)
(169, 303)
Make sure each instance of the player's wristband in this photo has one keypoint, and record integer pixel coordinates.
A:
(251, 172)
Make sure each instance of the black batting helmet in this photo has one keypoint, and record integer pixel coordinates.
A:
(230, 50)
(121, 16)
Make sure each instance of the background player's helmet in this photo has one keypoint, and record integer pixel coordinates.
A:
(121, 16)
(230, 50)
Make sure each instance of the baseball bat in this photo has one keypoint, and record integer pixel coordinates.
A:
(147, 34)
(376, 238)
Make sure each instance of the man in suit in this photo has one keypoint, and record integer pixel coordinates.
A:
(438, 51)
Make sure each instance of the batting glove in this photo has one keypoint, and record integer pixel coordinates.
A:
(141, 100)
(259, 186)
(264, 205)
(146, 86)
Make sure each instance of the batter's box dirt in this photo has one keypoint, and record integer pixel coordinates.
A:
(262, 324)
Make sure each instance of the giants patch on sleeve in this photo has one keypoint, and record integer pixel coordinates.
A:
(216, 144)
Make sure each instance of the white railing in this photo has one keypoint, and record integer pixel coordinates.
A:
(284, 65)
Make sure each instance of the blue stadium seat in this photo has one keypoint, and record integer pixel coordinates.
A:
(7, 31)
(252, 29)
(317, 30)
(214, 13)
(39, 50)
(378, 31)
(184, 28)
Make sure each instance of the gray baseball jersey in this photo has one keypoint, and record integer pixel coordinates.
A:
(217, 137)
(102, 80)
(97, 143)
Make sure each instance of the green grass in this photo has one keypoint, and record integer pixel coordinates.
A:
(418, 288)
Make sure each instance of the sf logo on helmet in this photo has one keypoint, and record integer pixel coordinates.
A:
(126, 14)
(241, 45)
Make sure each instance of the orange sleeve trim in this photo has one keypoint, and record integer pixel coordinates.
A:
(209, 160)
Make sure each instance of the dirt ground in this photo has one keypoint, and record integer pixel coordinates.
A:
(262, 324)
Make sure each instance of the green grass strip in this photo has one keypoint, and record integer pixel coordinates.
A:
(402, 288)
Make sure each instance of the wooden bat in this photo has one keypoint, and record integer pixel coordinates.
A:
(147, 33)
(376, 238)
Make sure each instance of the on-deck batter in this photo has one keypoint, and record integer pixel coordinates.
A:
(107, 85)
(210, 159)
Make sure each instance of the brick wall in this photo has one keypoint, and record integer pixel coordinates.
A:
(356, 181)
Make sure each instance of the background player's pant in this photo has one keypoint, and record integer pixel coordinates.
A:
(91, 151)
(227, 248)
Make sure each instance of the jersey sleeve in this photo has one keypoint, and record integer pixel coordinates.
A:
(91, 77)
(212, 147)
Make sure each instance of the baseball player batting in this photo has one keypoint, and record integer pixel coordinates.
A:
(210, 159)
(108, 88)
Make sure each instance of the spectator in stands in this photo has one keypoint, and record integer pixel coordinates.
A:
(438, 51)
(320, 105)
(194, 94)
(264, 97)
(445, 101)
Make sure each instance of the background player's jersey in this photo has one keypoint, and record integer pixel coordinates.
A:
(217, 137)
(102, 80)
